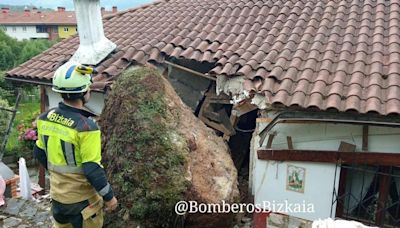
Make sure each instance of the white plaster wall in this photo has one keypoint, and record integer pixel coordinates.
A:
(320, 136)
(95, 104)
(19, 34)
(270, 186)
(252, 159)
(54, 98)
(269, 177)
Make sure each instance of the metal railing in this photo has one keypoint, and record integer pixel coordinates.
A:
(9, 125)
(369, 194)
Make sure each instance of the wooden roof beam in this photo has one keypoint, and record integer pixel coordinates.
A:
(364, 158)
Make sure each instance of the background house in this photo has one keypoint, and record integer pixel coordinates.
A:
(316, 81)
(36, 24)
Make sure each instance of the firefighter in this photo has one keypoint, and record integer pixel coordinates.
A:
(69, 147)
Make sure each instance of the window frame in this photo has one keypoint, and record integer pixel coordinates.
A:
(41, 29)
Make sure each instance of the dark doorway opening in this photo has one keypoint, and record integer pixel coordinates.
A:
(239, 145)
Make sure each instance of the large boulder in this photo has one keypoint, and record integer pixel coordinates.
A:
(157, 153)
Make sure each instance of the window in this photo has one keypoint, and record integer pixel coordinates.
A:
(65, 29)
(53, 29)
(41, 29)
(369, 194)
(14, 29)
(24, 28)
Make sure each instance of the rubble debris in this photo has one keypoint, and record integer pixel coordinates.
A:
(12, 221)
(245, 222)
(14, 206)
(26, 213)
(156, 153)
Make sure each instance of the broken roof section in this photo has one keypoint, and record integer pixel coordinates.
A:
(341, 55)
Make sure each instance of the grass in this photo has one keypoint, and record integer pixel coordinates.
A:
(26, 111)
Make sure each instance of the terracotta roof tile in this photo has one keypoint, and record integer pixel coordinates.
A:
(342, 55)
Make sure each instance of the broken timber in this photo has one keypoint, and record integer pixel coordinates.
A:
(289, 142)
(190, 71)
(366, 158)
(213, 113)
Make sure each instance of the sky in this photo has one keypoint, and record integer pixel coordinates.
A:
(121, 4)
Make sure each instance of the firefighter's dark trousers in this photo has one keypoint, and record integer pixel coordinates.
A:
(85, 214)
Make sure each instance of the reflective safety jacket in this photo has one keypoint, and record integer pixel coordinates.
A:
(69, 145)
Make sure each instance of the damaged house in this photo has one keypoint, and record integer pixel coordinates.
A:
(306, 93)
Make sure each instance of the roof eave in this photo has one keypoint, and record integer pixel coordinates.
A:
(40, 82)
(28, 80)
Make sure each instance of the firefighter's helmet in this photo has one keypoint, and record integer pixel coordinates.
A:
(72, 78)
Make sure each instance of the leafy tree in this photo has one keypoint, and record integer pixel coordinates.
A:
(14, 52)
(7, 57)
(33, 48)
(5, 87)
(12, 45)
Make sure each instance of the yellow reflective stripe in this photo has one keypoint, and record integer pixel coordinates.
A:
(55, 133)
(55, 153)
(90, 146)
(65, 168)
